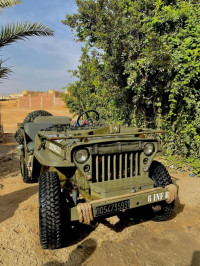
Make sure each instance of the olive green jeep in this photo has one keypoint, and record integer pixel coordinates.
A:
(89, 170)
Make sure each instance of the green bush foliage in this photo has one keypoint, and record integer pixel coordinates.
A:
(141, 66)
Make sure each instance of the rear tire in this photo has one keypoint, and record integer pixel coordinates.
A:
(19, 136)
(24, 172)
(51, 211)
(161, 177)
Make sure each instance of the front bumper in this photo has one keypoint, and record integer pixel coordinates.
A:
(136, 199)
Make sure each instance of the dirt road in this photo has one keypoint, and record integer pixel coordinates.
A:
(111, 242)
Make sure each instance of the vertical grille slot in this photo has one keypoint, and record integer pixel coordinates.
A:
(131, 164)
(103, 168)
(120, 166)
(126, 165)
(115, 166)
(97, 168)
(109, 168)
(136, 164)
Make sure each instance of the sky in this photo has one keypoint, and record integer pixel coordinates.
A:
(40, 63)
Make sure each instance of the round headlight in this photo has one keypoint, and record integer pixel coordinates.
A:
(81, 156)
(149, 148)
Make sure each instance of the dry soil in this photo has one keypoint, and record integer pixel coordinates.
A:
(111, 242)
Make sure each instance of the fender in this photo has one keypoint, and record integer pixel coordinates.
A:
(47, 158)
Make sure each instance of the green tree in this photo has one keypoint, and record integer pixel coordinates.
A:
(13, 32)
(148, 54)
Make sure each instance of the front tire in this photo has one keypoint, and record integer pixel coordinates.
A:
(50, 211)
(161, 177)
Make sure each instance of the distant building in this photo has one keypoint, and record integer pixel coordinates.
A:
(38, 99)
(15, 95)
(4, 98)
(31, 92)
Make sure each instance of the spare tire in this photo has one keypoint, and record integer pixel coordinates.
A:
(28, 119)
(31, 116)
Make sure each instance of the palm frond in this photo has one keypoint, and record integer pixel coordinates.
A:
(23, 30)
(9, 3)
(4, 71)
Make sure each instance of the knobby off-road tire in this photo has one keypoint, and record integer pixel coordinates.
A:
(51, 211)
(24, 172)
(31, 116)
(29, 119)
(161, 177)
(19, 136)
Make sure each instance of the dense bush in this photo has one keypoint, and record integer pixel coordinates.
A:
(141, 66)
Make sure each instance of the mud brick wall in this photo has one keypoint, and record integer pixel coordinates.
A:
(48, 100)
(42, 100)
(23, 102)
(35, 101)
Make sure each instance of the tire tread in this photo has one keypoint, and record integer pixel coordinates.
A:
(161, 177)
(50, 211)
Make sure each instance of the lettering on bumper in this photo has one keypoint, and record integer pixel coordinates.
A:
(158, 197)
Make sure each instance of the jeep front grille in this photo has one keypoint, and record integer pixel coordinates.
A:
(115, 166)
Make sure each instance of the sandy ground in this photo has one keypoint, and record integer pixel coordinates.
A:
(11, 114)
(111, 242)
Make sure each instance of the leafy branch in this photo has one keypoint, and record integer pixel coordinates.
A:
(23, 30)
(9, 3)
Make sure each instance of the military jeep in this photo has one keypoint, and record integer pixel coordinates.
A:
(90, 170)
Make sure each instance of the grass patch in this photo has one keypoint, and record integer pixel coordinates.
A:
(180, 163)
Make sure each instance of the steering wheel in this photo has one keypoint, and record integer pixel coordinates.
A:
(88, 121)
